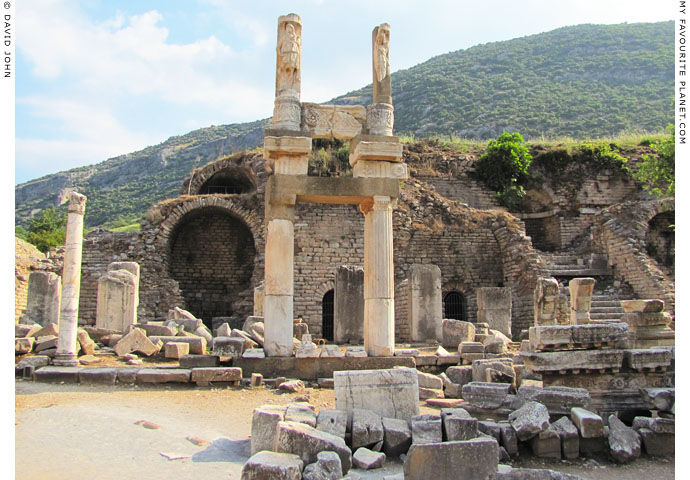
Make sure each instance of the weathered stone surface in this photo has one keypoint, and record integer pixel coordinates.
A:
(197, 345)
(25, 330)
(550, 337)
(176, 350)
(639, 359)
(471, 347)
(127, 375)
(355, 352)
(494, 306)
(600, 333)
(391, 393)
(137, 341)
(256, 380)
(545, 301)
(570, 438)
(266, 465)
(510, 473)
(504, 365)
(509, 439)
(624, 442)
(367, 428)
(23, 345)
(118, 299)
(232, 347)
(443, 402)
(368, 460)
(485, 395)
(496, 344)
(307, 348)
(45, 343)
(331, 351)
(88, 346)
(184, 318)
(589, 424)
(163, 375)
(427, 393)
(558, 400)
(36, 361)
(292, 386)
(646, 306)
(207, 376)
(327, 467)
(98, 376)
(224, 330)
(307, 442)
(199, 361)
(529, 420)
(58, 374)
(451, 389)
(248, 341)
(490, 428)
(397, 436)
(657, 444)
(546, 443)
(301, 412)
(462, 460)
(460, 375)
(406, 352)
(424, 303)
(455, 332)
(573, 360)
(50, 329)
(254, 353)
(264, 422)
(581, 290)
(458, 424)
(349, 304)
(656, 425)
(659, 398)
(43, 298)
(427, 380)
(426, 429)
(332, 421)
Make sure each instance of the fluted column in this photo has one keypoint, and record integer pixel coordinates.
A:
(66, 354)
(379, 312)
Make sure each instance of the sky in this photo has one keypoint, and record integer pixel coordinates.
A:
(100, 78)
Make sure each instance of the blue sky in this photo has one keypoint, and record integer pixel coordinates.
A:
(97, 79)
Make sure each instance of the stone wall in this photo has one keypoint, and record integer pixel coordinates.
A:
(463, 190)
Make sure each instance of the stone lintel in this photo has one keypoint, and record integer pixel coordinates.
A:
(275, 147)
(376, 151)
(341, 190)
(573, 360)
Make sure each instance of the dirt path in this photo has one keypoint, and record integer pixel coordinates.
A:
(83, 432)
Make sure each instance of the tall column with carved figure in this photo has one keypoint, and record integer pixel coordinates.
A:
(380, 112)
(66, 354)
(379, 313)
(287, 110)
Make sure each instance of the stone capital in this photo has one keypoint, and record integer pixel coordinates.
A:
(77, 203)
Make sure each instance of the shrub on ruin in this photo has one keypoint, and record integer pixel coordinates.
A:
(47, 230)
(658, 172)
(504, 167)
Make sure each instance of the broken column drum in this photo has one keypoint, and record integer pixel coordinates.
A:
(66, 354)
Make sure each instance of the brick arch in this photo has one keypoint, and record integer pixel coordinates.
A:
(324, 287)
(232, 164)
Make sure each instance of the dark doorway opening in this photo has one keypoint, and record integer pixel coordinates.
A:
(327, 309)
(454, 306)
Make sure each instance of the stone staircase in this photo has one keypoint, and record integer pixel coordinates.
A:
(568, 264)
(606, 306)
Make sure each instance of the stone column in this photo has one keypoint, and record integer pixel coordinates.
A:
(66, 354)
(278, 285)
(380, 112)
(379, 314)
(581, 290)
(287, 110)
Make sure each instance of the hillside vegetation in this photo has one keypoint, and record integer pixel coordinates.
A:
(587, 81)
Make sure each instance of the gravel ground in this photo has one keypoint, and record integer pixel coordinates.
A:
(86, 432)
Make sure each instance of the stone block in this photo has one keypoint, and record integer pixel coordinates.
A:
(292, 386)
(426, 429)
(600, 333)
(98, 376)
(655, 444)
(256, 380)
(25, 330)
(43, 298)
(656, 425)
(490, 428)
(659, 398)
(264, 423)
(349, 305)
(504, 365)
(496, 343)
(367, 428)
(254, 353)
(550, 337)
(455, 332)
(368, 460)
(558, 400)
(355, 352)
(529, 420)
(545, 301)
(425, 303)
(36, 361)
(307, 442)
(475, 459)
(581, 290)
(197, 345)
(182, 317)
(327, 467)
(163, 375)
(176, 350)
(306, 348)
(127, 375)
(332, 421)
(546, 443)
(494, 306)
(424, 360)
(643, 306)
(232, 347)
(485, 395)
(45, 343)
(118, 299)
(649, 358)
(397, 436)
(23, 345)
(301, 412)
(471, 347)
(88, 346)
(331, 351)
(267, 465)
(224, 330)
(573, 360)
(391, 393)
(50, 329)
(53, 374)
(136, 341)
(569, 436)
(206, 376)
(427, 380)
(450, 389)
(458, 424)
(589, 424)
(427, 393)
(624, 442)
(248, 341)
(639, 319)
(509, 439)
(199, 361)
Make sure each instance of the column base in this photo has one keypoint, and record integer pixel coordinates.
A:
(65, 360)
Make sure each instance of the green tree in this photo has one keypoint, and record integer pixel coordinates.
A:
(658, 172)
(47, 230)
(504, 167)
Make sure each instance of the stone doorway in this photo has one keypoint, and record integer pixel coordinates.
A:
(455, 306)
(327, 316)
(212, 258)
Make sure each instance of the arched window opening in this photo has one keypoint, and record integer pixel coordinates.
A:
(226, 182)
(454, 306)
(327, 309)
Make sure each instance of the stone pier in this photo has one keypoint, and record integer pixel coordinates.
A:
(495, 308)
(66, 354)
(43, 298)
(581, 290)
(425, 309)
(118, 296)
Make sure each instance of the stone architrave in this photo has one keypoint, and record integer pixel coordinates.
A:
(116, 306)
(343, 122)
(349, 305)
(391, 393)
(424, 303)
(287, 111)
(546, 302)
(278, 285)
(581, 290)
(494, 307)
(66, 354)
(43, 298)
(259, 300)
(379, 315)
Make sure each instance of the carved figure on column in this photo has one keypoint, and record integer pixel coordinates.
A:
(286, 110)
(382, 70)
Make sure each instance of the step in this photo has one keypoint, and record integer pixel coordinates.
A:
(605, 316)
(598, 309)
